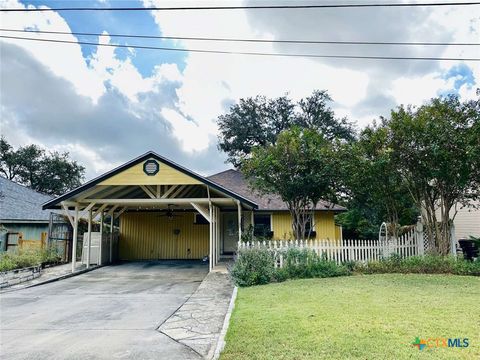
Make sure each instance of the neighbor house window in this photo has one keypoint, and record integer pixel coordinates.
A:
(262, 225)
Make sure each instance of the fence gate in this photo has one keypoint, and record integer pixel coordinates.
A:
(60, 235)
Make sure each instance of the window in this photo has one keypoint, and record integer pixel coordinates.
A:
(200, 220)
(262, 225)
(310, 228)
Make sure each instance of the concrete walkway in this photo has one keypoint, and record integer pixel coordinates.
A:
(199, 321)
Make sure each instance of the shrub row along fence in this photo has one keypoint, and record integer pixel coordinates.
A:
(340, 251)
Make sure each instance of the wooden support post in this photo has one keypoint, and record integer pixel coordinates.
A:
(239, 208)
(210, 255)
(217, 222)
(89, 236)
(74, 240)
(214, 227)
(100, 259)
(111, 236)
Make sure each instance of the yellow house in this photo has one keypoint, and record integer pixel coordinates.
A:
(166, 211)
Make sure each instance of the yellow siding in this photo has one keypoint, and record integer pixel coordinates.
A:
(282, 226)
(338, 232)
(135, 176)
(324, 225)
(148, 235)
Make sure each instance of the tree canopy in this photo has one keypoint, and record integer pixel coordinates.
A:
(257, 121)
(435, 148)
(374, 187)
(51, 173)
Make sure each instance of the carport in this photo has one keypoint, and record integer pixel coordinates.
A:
(165, 211)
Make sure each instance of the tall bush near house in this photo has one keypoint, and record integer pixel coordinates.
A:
(254, 267)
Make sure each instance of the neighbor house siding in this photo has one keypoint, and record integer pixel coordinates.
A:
(32, 235)
(324, 225)
(29, 231)
(150, 235)
(467, 222)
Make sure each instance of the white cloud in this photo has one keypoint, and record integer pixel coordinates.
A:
(63, 60)
(416, 90)
(192, 136)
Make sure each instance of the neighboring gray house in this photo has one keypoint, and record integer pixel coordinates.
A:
(21, 215)
(467, 221)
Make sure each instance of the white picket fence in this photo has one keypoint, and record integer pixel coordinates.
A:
(340, 251)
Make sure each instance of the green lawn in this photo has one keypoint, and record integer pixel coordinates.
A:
(356, 317)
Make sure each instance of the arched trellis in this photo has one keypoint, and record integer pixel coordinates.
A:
(383, 232)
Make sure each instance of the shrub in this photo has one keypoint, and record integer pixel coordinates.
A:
(27, 258)
(305, 263)
(256, 266)
(12, 261)
(49, 255)
(429, 264)
(7, 262)
(253, 267)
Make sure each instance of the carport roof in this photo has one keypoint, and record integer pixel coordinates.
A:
(55, 203)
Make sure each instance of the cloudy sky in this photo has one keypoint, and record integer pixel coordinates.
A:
(107, 105)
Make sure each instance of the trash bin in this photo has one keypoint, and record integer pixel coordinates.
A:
(469, 249)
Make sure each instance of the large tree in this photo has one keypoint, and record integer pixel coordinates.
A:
(258, 121)
(436, 149)
(375, 189)
(51, 173)
(300, 167)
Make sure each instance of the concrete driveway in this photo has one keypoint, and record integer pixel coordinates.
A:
(109, 313)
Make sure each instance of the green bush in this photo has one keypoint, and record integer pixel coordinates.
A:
(7, 262)
(50, 255)
(253, 267)
(305, 263)
(429, 264)
(27, 258)
(12, 261)
(256, 266)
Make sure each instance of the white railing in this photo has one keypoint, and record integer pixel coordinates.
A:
(409, 244)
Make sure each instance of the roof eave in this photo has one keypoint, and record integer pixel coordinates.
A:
(53, 204)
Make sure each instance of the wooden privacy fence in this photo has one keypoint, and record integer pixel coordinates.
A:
(340, 251)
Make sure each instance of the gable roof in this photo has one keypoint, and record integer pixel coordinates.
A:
(19, 203)
(148, 155)
(235, 181)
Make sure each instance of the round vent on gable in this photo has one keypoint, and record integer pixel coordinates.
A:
(151, 167)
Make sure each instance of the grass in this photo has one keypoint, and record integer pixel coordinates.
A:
(357, 317)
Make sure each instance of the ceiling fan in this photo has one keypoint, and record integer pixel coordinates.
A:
(169, 213)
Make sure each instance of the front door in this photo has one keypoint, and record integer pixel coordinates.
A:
(230, 232)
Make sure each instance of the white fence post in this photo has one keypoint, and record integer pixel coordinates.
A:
(420, 240)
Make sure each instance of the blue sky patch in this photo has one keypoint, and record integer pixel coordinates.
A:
(463, 75)
(118, 22)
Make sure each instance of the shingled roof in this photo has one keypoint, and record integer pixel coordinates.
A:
(19, 203)
(235, 181)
